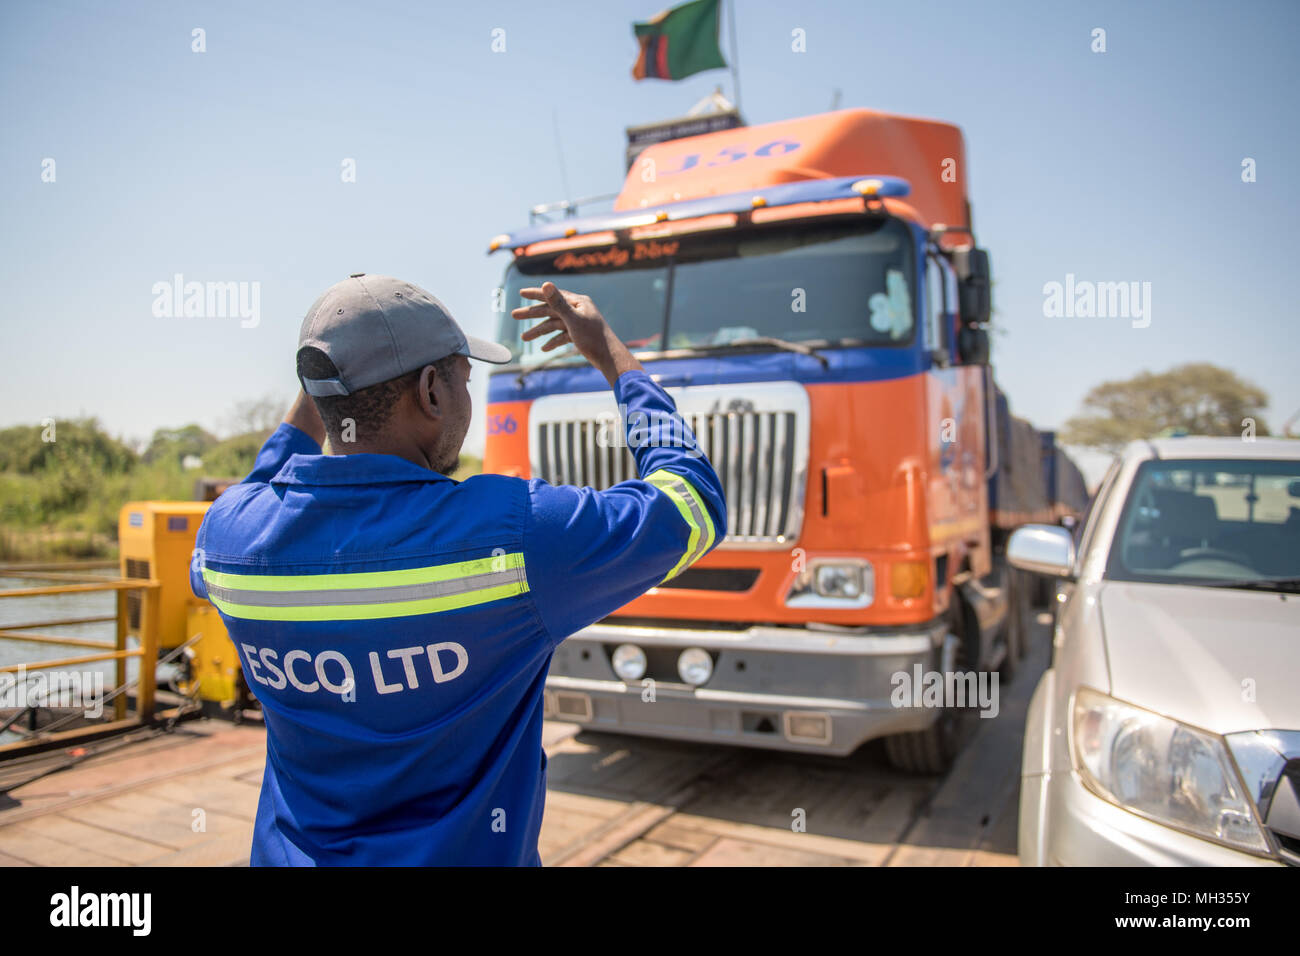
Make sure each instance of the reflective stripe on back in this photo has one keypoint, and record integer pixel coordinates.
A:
(368, 594)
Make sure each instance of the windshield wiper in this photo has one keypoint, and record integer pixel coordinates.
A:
(757, 340)
(546, 363)
(775, 342)
(1291, 585)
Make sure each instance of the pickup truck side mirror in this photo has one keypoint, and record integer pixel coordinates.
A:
(1042, 549)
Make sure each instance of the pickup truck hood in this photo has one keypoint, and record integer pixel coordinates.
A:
(1186, 652)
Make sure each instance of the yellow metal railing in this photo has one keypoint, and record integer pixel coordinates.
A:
(147, 651)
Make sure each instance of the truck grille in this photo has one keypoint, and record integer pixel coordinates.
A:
(760, 454)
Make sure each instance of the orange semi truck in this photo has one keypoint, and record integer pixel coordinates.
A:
(811, 295)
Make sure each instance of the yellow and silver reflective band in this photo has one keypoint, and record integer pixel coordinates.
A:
(367, 594)
(693, 509)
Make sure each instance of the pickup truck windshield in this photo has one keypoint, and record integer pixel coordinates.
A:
(839, 284)
(1210, 522)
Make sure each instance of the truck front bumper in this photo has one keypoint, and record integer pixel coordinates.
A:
(780, 688)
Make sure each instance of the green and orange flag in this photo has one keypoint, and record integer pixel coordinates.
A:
(679, 42)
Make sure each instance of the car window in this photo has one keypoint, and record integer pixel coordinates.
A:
(1221, 520)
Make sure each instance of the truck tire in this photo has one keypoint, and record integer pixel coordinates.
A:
(932, 751)
(929, 751)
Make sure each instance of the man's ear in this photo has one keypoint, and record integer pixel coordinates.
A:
(426, 392)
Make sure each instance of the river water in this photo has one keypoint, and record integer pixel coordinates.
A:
(52, 607)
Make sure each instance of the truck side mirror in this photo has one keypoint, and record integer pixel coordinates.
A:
(973, 345)
(973, 274)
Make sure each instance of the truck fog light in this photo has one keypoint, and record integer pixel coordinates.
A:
(629, 662)
(695, 666)
(812, 728)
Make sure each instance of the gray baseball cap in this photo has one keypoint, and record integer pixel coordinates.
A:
(377, 328)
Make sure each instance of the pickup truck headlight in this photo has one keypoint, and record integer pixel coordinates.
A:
(1161, 769)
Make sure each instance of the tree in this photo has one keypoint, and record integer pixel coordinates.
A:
(28, 449)
(174, 444)
(259, 416)
(1200, 398)
(234, 457)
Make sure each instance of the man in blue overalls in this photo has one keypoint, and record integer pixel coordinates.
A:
(397, 625)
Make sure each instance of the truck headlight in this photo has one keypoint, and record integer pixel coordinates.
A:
(629, 662)
(832, 584)
(838, 580)
(1161, 769)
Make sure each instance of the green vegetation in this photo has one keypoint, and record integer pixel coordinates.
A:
(1193, 399)
(62, 487)
(469, 465)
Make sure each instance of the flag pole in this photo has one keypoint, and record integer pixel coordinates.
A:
(735, 55)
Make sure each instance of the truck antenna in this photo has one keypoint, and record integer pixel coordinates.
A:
(735, 55)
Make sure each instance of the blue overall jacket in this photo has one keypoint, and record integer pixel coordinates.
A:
(396, 627)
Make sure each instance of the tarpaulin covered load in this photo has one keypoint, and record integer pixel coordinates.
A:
(1065, 485)
(1018, 491)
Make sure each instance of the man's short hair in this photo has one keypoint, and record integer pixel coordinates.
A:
(368, 408)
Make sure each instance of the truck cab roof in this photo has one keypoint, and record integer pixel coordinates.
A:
(854, 142)
(819, 163)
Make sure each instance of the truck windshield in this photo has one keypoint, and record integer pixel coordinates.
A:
(839, 284)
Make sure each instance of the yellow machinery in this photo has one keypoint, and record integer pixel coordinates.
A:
(157, 541)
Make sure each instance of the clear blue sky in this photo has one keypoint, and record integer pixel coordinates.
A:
(226, 166)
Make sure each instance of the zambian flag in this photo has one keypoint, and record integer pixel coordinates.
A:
(679, 42)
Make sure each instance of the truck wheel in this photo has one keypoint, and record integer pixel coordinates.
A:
(932, 751)
(929, 751)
